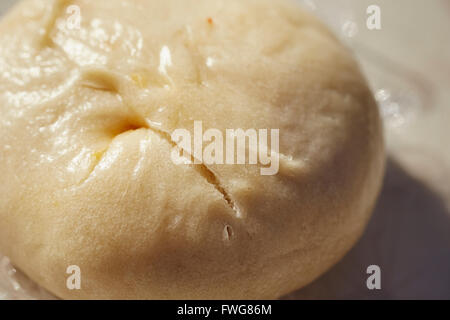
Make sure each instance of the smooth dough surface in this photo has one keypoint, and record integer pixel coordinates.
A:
(85, 121)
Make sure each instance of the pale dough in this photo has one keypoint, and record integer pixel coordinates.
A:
(85, 121)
